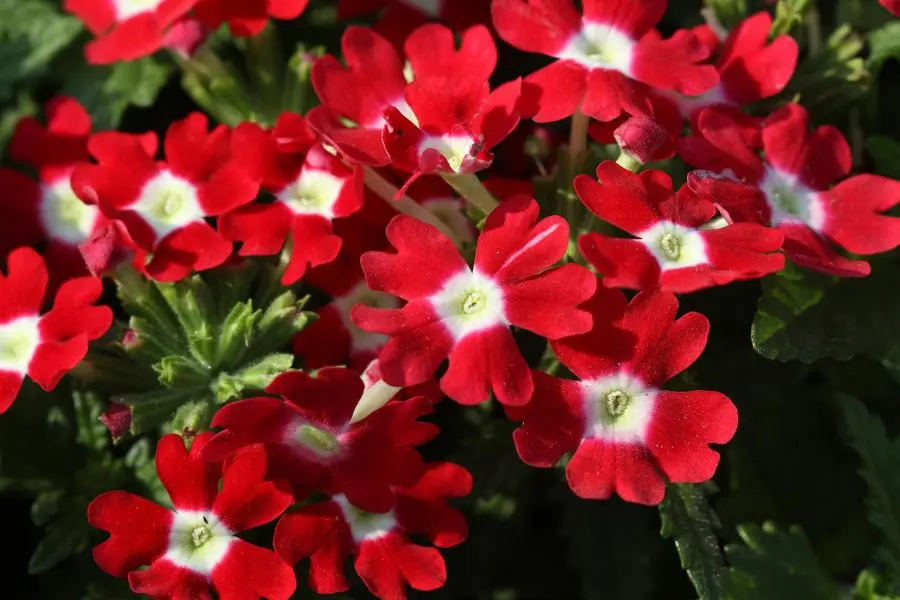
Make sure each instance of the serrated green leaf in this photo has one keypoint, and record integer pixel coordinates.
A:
(64, 538)
(869, 586)
(880, 458)
(776, 566)
(808, 317)
(32, 33)
(688, 519)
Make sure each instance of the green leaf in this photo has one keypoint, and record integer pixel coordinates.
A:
(885, 152)
(869, 586)
(776, 566)
(64, 538)
(106, 92)
(808, 317)
(689, 520)
(880, 458)
(32, 33)
(884, 44)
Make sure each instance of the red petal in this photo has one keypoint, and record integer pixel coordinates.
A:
(546, 304)
(135, 38)
(52, 360)
(262, 228)
(314, 244)
(543, 26)
(196, 247)
(619, 198)
(10, 384)
(554, 92)
(683, 425)
(553, 422)
(624, 263)
(424, 262)
(191, 482)
(514, 245)
(246, 500)
(320, 533)
(634, 19)
(853, 220)
(609, 93)
(139, 531)
(807, 248)
(248, 571)
(670, 64)
(328, 399)
(484, 361)
(164, 579)
(22, 289)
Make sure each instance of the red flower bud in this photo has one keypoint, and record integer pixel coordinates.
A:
(117, 419)
(106, 250)
(644, 139)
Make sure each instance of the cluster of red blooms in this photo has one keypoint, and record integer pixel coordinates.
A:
(407, 105)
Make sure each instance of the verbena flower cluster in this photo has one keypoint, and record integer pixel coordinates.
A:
(429, 275)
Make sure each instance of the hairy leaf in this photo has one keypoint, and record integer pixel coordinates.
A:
(688, 519)
(775, 565)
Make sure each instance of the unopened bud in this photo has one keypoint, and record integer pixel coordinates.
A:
(185, 36)
(643, 139)
(117, 419)
(106, 250)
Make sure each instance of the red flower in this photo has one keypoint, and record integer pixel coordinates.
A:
(164, 205)
(385, 559)
(312, 188)
(401, 17)
(628, 436)
(465, 313)
(44, 346)
(126, 29)
(446, 120)
(892, 5)
(751, 68)
(333, 338)
(246, 18)
(454, 118)
(792, 188)
(609, 59)
(194, 547)
(673, 251)
(312, 444)
(48, 211)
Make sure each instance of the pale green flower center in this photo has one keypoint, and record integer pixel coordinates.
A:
(670, 245)
(474, 302)
(317, 440)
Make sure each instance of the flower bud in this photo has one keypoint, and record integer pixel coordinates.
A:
(106, 250)
(644, 139)
(117, 419)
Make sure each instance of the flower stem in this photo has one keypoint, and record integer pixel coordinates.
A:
(470, 187)
(627, 161)
(404, 204)
(578, 135)
(379, 394)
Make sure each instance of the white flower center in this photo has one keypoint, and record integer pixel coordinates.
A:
(688, 105)
(617, 408)
(469, 302)
(790, 201)
(307, 439)
(198, 541)
(168, 203)
(459, 150)
(432, 8)
(361, 294)
(675, 246)
(450, 212)
(125, 9)
(66, 218)
(315, 192)
(365, 525)
(19, 339)
(600, 46)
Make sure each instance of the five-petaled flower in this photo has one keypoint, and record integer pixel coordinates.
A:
(195, 546)
(164, 205)
(312, 188)
(609, 60)
(672, 250)
(44, 346)
(791, 188)
(47, 212)
(312, 444)
(628, 436)
(464, 313)
(385, 558)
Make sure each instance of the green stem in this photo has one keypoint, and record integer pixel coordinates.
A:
(628, 162)
(404, 204)
(578, 136)
(470, 187)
